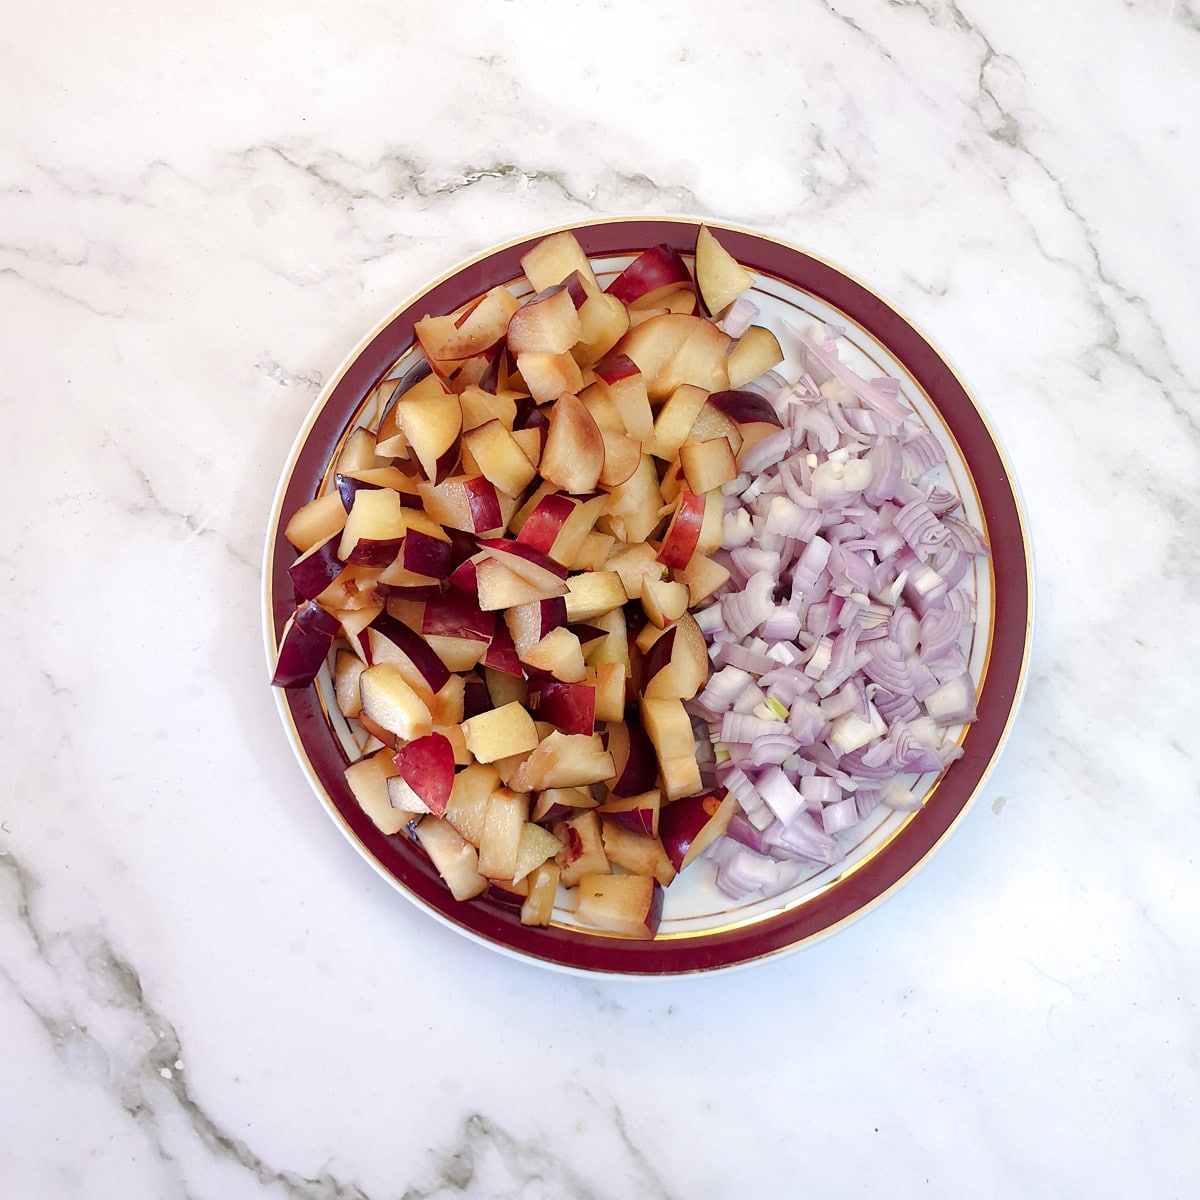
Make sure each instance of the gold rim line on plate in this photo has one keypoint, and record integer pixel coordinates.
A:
(809, 897)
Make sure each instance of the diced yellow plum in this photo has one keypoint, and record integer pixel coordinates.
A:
(498, 732)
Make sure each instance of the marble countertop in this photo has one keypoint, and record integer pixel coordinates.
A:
(204, 992)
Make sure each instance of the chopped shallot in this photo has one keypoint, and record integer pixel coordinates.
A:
(837, 643)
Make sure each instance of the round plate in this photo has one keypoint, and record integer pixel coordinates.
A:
(701, 929)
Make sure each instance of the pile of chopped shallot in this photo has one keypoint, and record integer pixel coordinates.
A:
(837, 645)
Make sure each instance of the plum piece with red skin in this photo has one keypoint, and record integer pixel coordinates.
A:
(584, 632)
(636, 766)
(745, 407)
(542, 526)
(553, 612)
(615, 367)
(425, 555)
(469, 503)
(411, 644)
(501, 653)
(680, 669)
(638, 813)
(465, 578)
(426, 765)
(374, 529)
(489, 379)
(307, 638)
(557, 804)
(501, 587)
(664, 600)
(359, 450)
(658, 655)
(622, 379)
(603, 322)
(558, 655)
(414, 591)
(463, 545)
(683, 533)
(496, 453)
(547, 375)
(570, 707)
(564, 760)
(476, 697)
(457, 614)
(658, 267)
(529, 623)
(530, 415)
(669, 727)
(755, 353)
(348, 484)
(430, 417)
(316, 568)
(526, 560)
(578, 289)
(484, 504)
(707, 464)
(481, 327)
(689, 825)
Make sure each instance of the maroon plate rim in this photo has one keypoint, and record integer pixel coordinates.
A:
(872, 881)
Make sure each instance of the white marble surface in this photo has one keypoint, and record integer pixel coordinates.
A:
(204, 992)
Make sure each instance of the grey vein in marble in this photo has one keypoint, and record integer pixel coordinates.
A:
(1007, 127)
(1184, 14)
(61, 293)
(481, 1150)
(310, 381)
(103, 1027)
(858, 30)
(999, 73)
(150, 504)
(484, 1160)
(96, 1015)
(408, 175)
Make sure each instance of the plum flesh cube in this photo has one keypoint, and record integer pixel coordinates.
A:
(368, 780)
(582, 850)
(389, 700)
(456, 860)
(630, 905)
(499, 844)
(497, 734)
(637, 853)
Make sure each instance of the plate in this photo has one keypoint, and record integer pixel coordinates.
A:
(701, 930)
